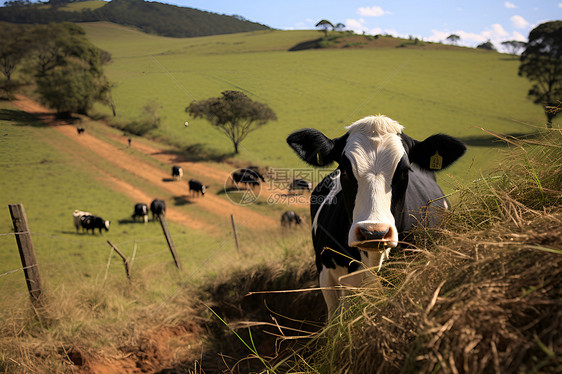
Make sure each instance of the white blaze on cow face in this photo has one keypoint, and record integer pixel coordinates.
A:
(374, 149)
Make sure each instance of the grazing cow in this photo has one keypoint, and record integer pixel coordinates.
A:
(141, 211)
(301, 185)
(196, 187)
(80, 130)
(253, 171)
(384, 185)
(158, 208)
(245, 178)
(289, 217)
(77, 218)
(94, 222)
(177, 173)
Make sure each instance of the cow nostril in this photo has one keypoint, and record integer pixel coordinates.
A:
(374, 232)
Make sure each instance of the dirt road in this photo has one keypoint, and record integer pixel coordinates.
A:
(214, 205)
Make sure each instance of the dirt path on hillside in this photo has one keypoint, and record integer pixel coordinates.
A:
(155, 176)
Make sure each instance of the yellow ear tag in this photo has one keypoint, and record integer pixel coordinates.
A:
(436, 162)
(319, 159)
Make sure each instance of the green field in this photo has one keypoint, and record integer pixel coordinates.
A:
(427, 90)
(51, 184)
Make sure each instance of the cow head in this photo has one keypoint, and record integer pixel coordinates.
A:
(374, 158)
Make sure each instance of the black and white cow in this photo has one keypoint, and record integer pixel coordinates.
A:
(77, 216)
(158, 208)
(289, 217)
(177, 173)
(384, 185)
(94, 222)
(196, 187)
(141, 211)
(245, 178)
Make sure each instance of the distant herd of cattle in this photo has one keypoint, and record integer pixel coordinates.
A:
(248, 177)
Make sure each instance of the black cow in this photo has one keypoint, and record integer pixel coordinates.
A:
(158, 208)
(289, 217)
(94, 222)
(141, 211)
(245, 178)
(383, 186)
(301, 185)
(80, 130)
(177, 173)
(196, 187)
(253, 171)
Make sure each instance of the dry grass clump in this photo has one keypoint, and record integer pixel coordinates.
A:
(483, 295)
(92, 328)
(251, 307)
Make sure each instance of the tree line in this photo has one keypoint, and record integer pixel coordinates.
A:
(164, 19)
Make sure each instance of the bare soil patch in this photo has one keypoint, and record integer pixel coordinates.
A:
(127, 161)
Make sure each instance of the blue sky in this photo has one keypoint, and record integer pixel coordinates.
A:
(475, 21)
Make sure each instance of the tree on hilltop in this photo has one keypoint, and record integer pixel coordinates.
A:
(514, 46)
(234, 114)
(487, 45)
(454, 39)
(325, 25)
(541, 63)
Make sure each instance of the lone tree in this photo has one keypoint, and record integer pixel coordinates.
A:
(514, 46)
(325, 25)
(454, 38)
(234, 114)
(541, 63)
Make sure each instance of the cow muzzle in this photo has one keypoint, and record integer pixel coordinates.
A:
(374, 237)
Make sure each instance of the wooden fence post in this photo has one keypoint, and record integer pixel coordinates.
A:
(169, 240)
(235, 233)
(27, 253)
(125, 261)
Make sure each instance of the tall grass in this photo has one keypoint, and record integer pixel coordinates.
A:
(481, 295)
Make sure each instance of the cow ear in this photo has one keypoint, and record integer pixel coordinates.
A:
(312, 146)
(436, 152)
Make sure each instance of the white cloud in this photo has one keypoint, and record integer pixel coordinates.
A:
(519, 22)
(518, 36)
(355, 25)
(497, 31)
(358, 26)
(496, 34)
(507, 4)
(374, 11)
(559, 5)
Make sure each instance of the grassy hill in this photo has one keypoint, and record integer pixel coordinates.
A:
(150, 17)
(427, 89)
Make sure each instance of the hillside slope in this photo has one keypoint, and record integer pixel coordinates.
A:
(150, 17)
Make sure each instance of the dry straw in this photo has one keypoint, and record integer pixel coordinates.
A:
(482, 294)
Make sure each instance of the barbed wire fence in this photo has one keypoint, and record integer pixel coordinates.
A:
(63, 269)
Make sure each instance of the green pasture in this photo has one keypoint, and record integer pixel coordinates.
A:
(427, 90)
(51, 185)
